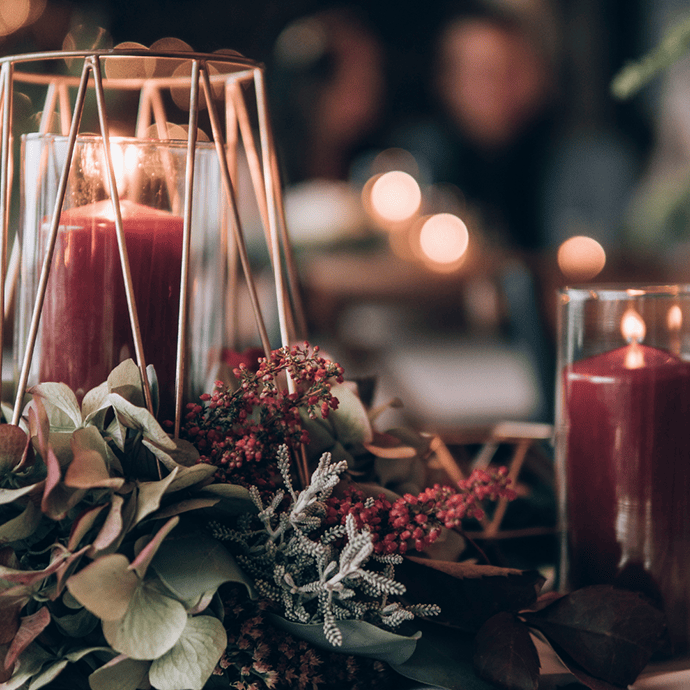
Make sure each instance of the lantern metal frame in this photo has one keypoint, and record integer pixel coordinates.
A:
(239, 84)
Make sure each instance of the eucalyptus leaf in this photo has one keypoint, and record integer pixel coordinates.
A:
(153, 387)
(359, 638)
(77, 624)
(120, 673)
(144, 556)
(350, 420)
(184, 506)
(31, 577)
(60, 404)
(191, 661)
(443, 658)
(141, 419)
(82, 525)
(30, 628)
(21, 526)
(48, 673)
(105, 587)
(184, 454)
(11, 495)
(149, 496)
(127, 375)
(151, 626)
(505, 654)
(94, 402)
(51, 671)
(190, 476)
(117, 432)
(61, 444)
(235, 498)
(31, 663)
(88, 469)
(192, 563)
(57, 499)
(321, 433)
(112, 530)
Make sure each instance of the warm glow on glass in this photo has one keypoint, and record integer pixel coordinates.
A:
(632, 326)
(674, 318)
(581, 258)
(444, 238)
(396, 196)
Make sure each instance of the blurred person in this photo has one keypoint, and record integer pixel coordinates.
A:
(491, 85)
(328, 78)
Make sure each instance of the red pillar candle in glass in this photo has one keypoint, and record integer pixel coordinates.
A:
(628, 472)
(85, 327)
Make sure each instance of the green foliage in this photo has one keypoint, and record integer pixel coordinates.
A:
(108, 568)
(635, 75)
(92, 498)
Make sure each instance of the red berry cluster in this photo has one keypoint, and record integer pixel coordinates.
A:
(414, 522)
(239, 428)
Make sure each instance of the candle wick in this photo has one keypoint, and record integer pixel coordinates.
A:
(634, 357)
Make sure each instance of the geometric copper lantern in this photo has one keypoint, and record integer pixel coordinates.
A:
(173, 228)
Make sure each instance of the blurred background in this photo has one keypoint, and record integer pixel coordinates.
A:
(447, 166)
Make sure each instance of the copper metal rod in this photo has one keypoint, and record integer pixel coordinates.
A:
(64, 108)
(48, 114)
(143, 112)
(5, 186)
(272, 222)
(297, 312)
(239, 234)
(253, 160)
(120, 232)
(228, 247)
(187, 229)
(47, 261)
(290, 264)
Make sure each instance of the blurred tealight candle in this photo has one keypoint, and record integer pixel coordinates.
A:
(395, 196)
(581, 258)
(443, 240)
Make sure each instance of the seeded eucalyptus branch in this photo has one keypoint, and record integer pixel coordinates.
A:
(303, 569)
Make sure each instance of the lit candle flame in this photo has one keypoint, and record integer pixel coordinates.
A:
(632, 326)
(633, 330)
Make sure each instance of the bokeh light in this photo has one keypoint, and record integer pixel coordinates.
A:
(443, 239)
(394, 196)
(581, 258)
(13, 15)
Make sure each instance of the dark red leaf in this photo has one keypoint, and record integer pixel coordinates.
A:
(505, 654)
(468, 594)
(609, 633)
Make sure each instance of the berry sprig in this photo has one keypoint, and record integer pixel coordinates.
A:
(415, 522)
(242, 429)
